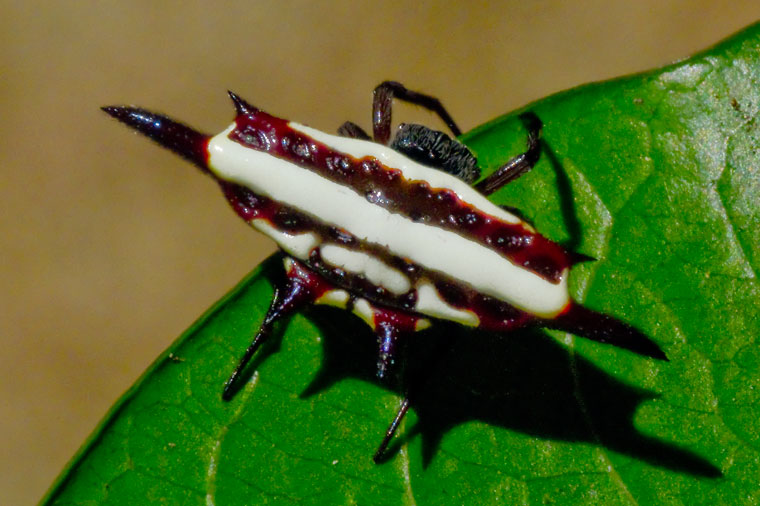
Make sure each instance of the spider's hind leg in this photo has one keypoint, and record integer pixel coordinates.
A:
(520, 164)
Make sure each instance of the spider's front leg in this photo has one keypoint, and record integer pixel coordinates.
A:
(297, 289)
(382, 105)
(354, 131)
(382, 113)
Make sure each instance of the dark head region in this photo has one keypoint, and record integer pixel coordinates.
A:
(183, 140)
(436, 149)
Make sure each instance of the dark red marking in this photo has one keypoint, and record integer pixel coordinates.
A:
(316, 285)
(358, 284)
(403, 321)
(493, 314)
(385, 186)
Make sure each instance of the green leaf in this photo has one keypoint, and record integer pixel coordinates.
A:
(657, 176)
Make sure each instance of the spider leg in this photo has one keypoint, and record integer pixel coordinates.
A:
(383, 102)
(388, 363)
(391, 327)
(380, 453)
(518, 165)
(350, 129)
(297, 290)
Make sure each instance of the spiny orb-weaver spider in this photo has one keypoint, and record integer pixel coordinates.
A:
(393, 230)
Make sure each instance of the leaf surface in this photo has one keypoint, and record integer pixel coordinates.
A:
(657, 176)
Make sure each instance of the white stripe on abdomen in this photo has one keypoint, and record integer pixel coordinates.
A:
(433, 248)
(358, 262)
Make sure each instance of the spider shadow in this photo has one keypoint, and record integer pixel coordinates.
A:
(566, 200)
(524, 382)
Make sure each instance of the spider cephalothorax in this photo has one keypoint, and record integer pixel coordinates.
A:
(382, 227)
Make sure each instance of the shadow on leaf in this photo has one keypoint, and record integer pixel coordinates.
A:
(524, 382)
(567, 202)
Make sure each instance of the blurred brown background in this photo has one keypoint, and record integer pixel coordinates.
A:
(111, 247)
